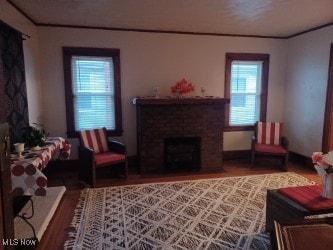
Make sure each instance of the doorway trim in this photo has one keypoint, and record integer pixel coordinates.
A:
(327, 144)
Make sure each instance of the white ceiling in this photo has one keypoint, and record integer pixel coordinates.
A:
(272, 18)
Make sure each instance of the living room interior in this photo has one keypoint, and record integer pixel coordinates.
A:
(162, 42)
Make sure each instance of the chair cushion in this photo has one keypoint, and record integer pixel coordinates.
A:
(269, 132)
(274, 149)
(107, 157)
(95, 139)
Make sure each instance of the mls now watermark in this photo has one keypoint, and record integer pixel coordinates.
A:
(20, 242)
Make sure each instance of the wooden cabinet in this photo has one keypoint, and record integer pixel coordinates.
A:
(2, 92)
(7, 219)
(304, 234)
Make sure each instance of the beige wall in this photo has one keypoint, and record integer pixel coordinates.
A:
(297, 76)
(10, 16)
(306, 84)
(148, 60)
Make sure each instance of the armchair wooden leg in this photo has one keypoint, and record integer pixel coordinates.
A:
(285, 163)
(252, 159)
(87, 167)
(93, 178)
(87, 174)
(126, 170)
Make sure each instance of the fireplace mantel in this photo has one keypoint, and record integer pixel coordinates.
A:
(209, 100)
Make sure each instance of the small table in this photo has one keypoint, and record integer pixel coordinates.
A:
(305, 234)
(26, 173)
(279, 207)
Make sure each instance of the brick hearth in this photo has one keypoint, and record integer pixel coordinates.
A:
(158, 119)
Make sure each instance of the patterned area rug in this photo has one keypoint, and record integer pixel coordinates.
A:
(224, 213)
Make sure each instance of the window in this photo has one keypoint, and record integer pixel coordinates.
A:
(92, 89)
(246, 84)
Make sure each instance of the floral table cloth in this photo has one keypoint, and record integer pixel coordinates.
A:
(26, 173)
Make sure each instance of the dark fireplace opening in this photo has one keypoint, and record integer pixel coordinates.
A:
(182, 153)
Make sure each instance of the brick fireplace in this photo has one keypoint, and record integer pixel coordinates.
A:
(182, 153)
(159, 119)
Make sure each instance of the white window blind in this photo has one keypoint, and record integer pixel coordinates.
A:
(245, 91)
(93, 92)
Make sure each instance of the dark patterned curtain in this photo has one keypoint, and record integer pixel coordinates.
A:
(13, 85)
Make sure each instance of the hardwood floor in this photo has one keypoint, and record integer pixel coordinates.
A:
(56, 233)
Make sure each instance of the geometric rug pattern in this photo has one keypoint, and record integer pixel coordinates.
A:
(223, 213)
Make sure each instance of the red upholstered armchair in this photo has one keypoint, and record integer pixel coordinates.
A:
(268, 140)
(96, 151)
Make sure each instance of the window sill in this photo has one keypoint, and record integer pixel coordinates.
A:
(238, 128)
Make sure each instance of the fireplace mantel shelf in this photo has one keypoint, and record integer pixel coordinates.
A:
(209, 100)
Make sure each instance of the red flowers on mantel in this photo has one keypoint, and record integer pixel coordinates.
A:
(182, 87)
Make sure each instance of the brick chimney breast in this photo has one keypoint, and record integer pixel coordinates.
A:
(161, 118)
